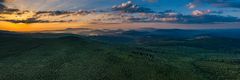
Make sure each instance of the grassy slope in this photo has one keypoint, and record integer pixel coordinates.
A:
(72, 58)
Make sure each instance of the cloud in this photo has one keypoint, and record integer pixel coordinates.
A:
(198, 17)
(6, 0)
(191, 5)
(1, 4)
(201, 12)
(47, 5)
(129, 7)
(207, 19)
(132, 13)
(152, 1)
(170, 16)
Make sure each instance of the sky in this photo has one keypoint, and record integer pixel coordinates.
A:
(120, 11)
(229, 7)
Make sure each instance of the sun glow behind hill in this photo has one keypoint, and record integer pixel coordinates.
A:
(23, 27)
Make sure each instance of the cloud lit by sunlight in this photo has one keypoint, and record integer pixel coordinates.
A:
(24, 15)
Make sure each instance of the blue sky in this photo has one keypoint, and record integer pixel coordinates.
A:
(227, 7)
(182, 5)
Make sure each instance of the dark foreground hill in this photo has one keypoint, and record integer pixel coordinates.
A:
(132, 55)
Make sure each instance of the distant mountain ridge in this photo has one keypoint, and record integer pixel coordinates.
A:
(180, 33)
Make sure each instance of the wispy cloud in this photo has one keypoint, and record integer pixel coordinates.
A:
(191, 5)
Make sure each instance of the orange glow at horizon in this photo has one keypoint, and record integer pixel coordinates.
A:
(22, 27)
(35, 27)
